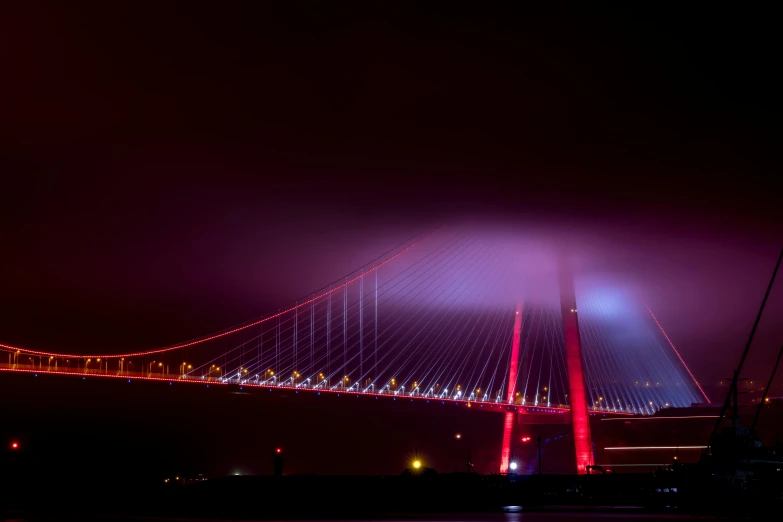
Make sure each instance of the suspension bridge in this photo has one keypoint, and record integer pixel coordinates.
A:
(449, 317)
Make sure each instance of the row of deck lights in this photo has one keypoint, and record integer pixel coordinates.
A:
(271, 379)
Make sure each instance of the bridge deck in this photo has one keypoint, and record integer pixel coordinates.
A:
(180, 379)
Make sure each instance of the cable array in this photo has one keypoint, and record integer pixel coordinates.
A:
(435, 321)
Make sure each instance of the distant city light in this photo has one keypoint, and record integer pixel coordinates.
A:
(14, 445)
(278, 450)
(417, 464)
(458, 436)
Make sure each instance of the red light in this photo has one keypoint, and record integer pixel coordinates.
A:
(525, 439)
(14, 445)
(278, 450)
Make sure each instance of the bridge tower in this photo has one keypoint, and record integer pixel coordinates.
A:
(577, 396)
(511, 417)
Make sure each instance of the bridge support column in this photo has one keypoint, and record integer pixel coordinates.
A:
(577, 395)
(511, 416)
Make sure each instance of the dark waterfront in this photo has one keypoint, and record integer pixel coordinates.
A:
(567, 515)
(425, 494)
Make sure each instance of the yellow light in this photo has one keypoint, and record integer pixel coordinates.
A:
(417, 464)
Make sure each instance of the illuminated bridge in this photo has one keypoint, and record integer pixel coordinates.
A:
(451, 316)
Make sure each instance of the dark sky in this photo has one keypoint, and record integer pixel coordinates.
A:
(169, 169)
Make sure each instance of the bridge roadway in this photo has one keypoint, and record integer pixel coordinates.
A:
(221, 381)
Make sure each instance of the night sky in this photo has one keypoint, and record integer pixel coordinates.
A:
(171, 169)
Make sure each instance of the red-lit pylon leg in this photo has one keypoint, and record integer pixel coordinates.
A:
(577, 396)
(508, 426)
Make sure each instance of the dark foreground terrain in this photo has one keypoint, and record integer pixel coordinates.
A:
(363, 497)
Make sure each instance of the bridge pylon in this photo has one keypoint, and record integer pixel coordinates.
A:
(577, 394)
(511, 417)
